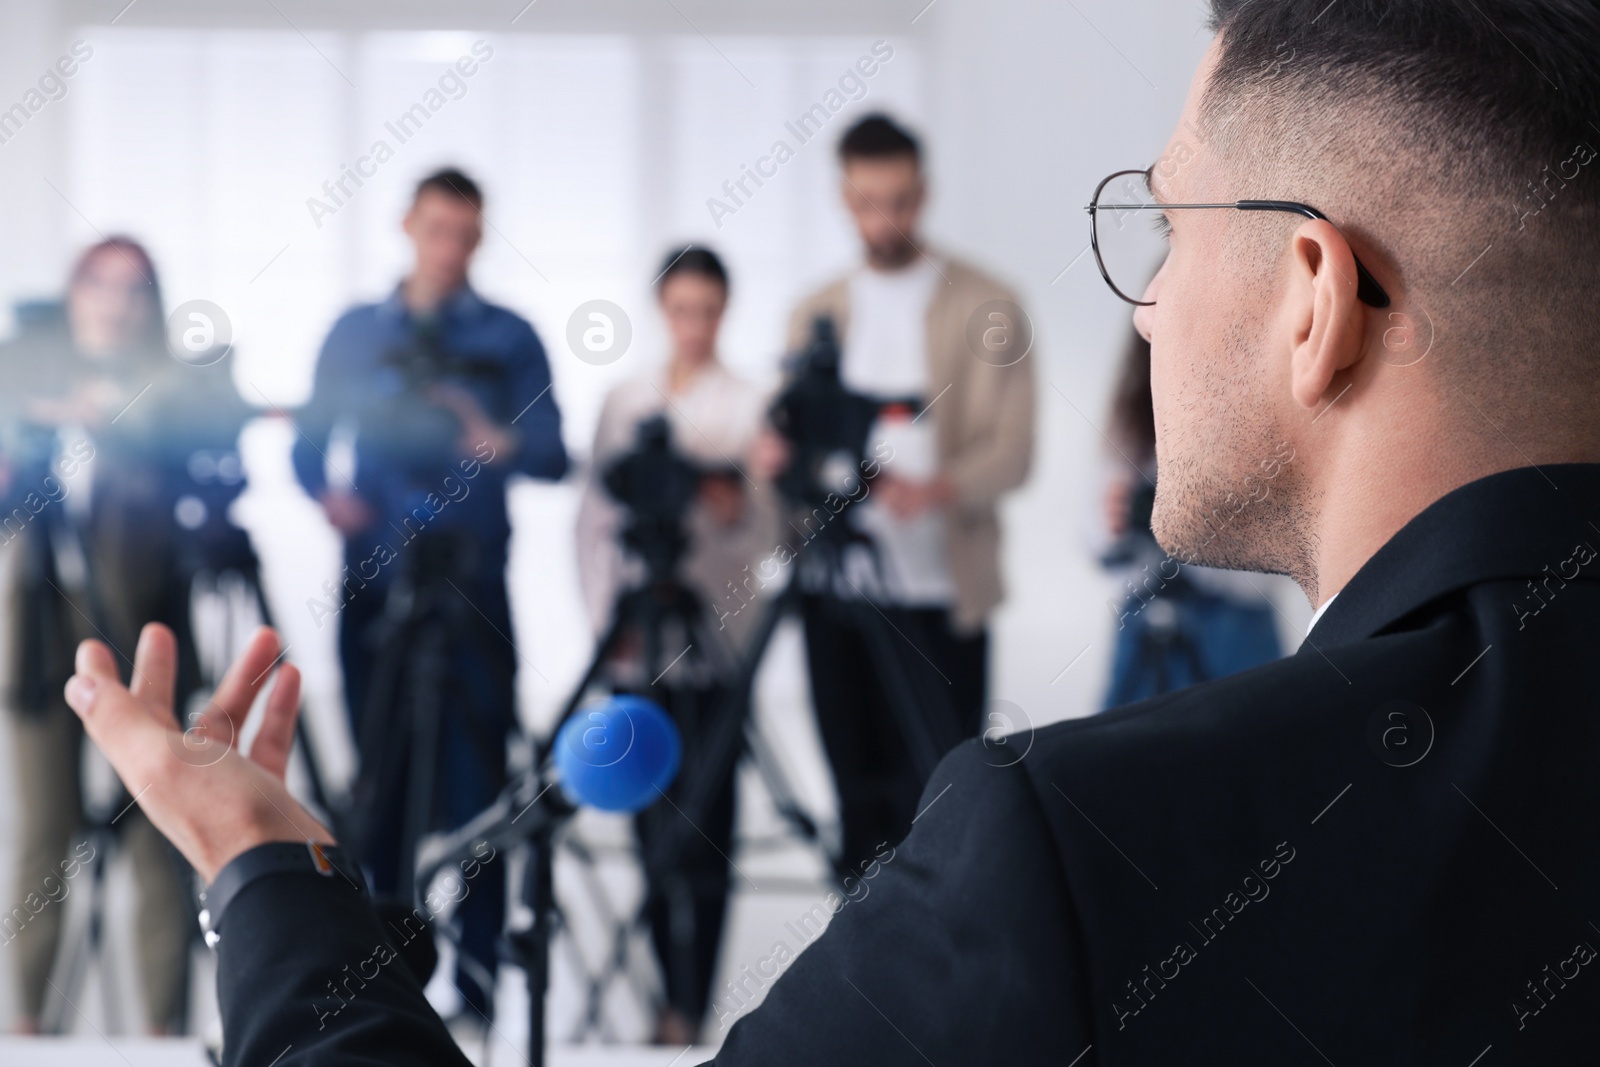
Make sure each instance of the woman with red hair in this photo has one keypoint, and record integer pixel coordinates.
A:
(79, 540)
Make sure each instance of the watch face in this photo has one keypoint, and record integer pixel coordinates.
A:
(320, 860)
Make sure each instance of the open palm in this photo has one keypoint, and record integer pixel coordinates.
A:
(211, 800)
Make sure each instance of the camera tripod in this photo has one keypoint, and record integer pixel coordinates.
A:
(826, 422)
(414, 689)
(923, 713)
(727, 732)
(828, 426)
(661, 643)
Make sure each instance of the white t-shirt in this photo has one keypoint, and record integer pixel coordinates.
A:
(885, 356)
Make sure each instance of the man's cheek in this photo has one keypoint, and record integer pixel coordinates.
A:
(1165, 383)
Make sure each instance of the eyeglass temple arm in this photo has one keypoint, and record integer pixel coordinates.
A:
(1368, 291)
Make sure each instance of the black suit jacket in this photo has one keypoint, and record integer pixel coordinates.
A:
(1380, 850)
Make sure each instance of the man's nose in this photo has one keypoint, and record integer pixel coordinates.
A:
(1144, 314)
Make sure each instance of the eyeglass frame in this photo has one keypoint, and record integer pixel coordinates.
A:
(1368, 291)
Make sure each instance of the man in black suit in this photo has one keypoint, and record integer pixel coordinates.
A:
(1379, 850)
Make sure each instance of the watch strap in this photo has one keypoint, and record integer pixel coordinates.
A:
(275, 857)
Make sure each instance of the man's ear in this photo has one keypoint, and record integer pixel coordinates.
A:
(1327, 322)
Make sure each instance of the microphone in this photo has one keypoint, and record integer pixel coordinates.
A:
(618, 754)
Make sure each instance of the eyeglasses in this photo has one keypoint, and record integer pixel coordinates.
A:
(1130, 239)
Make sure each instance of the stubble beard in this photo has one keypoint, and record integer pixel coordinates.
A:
(1236, 499)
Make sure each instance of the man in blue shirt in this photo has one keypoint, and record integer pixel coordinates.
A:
(438, 397)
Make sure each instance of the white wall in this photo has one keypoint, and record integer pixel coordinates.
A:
(1036, 101)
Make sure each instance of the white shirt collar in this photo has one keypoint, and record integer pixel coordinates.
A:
(1318, 613)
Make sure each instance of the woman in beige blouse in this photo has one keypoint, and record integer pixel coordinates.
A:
(714, 417)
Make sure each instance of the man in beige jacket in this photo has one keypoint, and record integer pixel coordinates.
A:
(944, 350)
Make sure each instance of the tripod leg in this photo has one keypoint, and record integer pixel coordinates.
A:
(87, 948)
(108, 980)
(619, 962)
(723, 739)
(425, 696)
(74, 955)
(597, 664)
(539, 895)
(776, 780)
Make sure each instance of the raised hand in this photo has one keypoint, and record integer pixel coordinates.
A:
(210, 800)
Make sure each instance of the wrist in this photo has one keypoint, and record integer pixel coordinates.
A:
(266, 822)
(304, 858)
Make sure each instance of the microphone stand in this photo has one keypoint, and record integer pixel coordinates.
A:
(528, 812)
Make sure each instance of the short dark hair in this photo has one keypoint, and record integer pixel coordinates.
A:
(451, 182)
(1436, 127)
(692, 259)
(877, 136)
(1518, 79)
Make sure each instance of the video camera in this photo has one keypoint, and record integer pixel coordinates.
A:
(653, 481)
(825, 423)
(656, 485)
(405, 423)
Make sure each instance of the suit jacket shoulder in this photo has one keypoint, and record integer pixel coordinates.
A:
(1377, 847)
(959, 945)
(1374, 837)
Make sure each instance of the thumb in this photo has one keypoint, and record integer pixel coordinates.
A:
(81, 692)
(111, 716)
(95, 658)
(96, 670)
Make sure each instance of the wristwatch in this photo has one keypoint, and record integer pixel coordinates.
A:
(277, 857)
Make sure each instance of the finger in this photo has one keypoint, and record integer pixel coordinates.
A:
(95, 660)
(230, 705)
(155, 666)
(275, 740)
(115, 721)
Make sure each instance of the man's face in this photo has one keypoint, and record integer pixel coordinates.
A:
(446, 230)
(885, 199)
(1224, 488)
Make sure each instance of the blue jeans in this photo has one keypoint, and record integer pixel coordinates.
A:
(1173, 642)
(476, 713)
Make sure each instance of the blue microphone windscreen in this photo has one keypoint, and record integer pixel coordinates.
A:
(617, 754)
